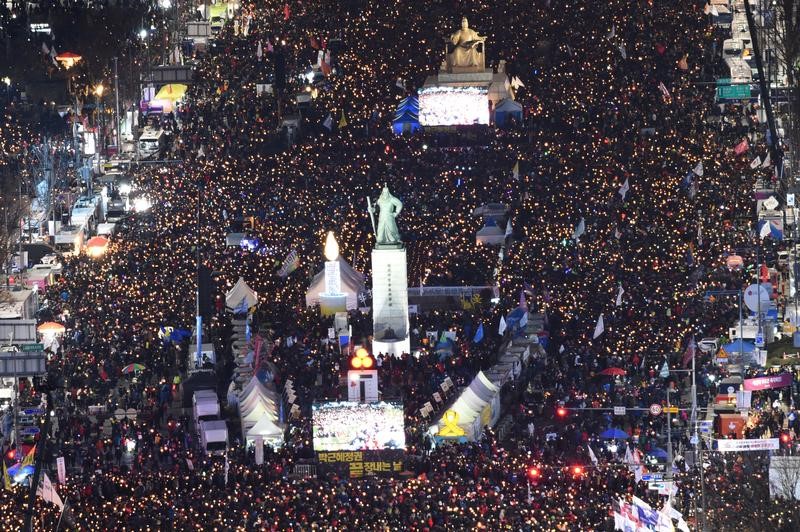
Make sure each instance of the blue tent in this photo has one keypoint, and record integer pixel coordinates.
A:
(658, 453)
(614, 434)
(739, 346)
(406, 117)
(409, 103)
(507, 110)
(405, 122)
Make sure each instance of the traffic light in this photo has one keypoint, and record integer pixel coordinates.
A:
(561, 412)
(577, 471)
(534, 474)
(362, 360)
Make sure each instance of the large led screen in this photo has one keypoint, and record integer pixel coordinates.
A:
(343, 426)
(453, 106)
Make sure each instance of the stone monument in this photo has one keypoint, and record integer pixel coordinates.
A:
(389, 279)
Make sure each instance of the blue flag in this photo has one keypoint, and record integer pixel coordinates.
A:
(478, 334)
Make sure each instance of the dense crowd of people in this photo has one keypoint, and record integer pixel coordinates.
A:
(624, 200)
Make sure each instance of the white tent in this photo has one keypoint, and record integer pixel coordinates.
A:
(266, 429)
(477, 406)
(352, 284)
(256, 412)
(240, 298)
(255, 384)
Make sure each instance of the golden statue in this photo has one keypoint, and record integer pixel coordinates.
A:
(468, 53)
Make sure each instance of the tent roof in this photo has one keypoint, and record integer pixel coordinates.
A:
(255, 385)
(483, 387)
(240, 294)
(738, 346)
(265, 427)
(508, 106)
(408, 102)
(406, 115)
(348, 274)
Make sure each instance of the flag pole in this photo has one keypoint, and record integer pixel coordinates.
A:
(61, 516)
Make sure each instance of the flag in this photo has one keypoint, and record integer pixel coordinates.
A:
(6, 477)
(344, 340)
(664, 373)
(618, 302)
(612, 32)
(741, 147)
(515, 170)
(502, 327)
(698, 170)
(227, 468)
(523, 303)
(400, 84)
(342, 121)
(767, 162)
(325, 68)
(689, 354)
(48, 492)
(328, 123)
(623, 190)
(623, 51)
(516, 83)
(270, 48)
(290, 263)
(664, 91)
(599, 328)
(45, 49)
(683, 63)
(28, 460)
(478, 334)
(259, 51)
(509, 229)
(756, 162)
(579, 230)
(287, 12)
(592, 456)
(190, 464)
(714, 11)
(771, 228)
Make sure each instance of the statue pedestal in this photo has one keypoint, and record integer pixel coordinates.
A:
(390, 300)
(443, 102)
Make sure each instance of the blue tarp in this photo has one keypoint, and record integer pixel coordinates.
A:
(739, 346)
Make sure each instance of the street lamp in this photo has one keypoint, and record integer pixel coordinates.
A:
(98, 91)
(143, 34)
(7, 81)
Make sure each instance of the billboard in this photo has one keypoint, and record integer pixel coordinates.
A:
(345, 426)
(358, 464)
(453, 106)
(769, 382)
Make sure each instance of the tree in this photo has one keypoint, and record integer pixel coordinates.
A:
(13, 170)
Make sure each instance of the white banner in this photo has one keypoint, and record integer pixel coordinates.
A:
(62, 470)
(769, 444)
